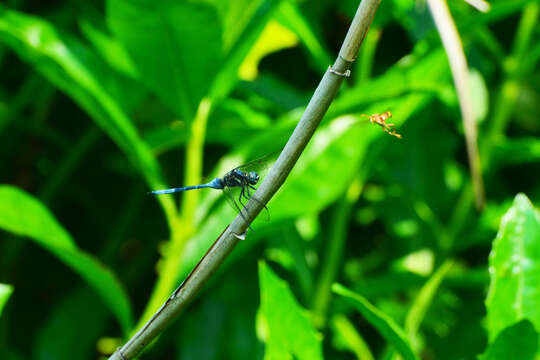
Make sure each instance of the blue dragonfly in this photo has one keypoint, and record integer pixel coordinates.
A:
(242, 178)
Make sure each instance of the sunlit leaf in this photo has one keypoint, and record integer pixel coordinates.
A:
(275, 37)
(386, 326)
(518, 341)
(514, 268)
(290, 332)
(23, 215)
(5, 293)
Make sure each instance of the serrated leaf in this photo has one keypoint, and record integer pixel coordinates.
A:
(514, 268)
(5, 293)
(515, 342)
(23, 215)
(290, 331)
(387, 327)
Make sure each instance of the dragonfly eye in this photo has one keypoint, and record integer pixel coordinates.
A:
(253, 177)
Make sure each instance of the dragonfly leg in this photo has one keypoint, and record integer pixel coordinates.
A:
(240, 197)
(248, 193)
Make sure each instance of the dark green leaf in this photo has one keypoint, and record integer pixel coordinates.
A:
(515, 342)
(39, 44)
(382, 322)
(23, 215)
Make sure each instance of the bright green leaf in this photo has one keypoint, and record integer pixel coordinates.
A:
(515, 342)
(382, 322)
(479, 95)
(514, 268)
(290, 331)
(175, 45)
(22, 214)
(5, 293)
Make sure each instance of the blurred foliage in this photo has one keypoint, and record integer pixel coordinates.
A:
(102, 101)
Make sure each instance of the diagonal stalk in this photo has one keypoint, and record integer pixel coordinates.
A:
(317, 107)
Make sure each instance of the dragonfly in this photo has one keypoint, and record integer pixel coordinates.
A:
(242, 178)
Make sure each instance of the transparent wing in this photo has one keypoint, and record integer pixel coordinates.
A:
(260, 165)
(232, 195)
(237, 197)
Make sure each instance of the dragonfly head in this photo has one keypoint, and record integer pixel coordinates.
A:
(253, 178)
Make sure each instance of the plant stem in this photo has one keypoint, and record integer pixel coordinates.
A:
(317, 107)
(184, 227)
(458, 64)
(334, 253)
(504, 108)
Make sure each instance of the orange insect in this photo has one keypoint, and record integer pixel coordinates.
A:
(380, 119)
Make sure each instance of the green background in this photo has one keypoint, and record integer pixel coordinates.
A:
(374, 248)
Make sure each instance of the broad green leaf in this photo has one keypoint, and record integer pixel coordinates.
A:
(515, 342)
(514, 268)
(290, 332)
(386, 326)
(66, 64)
(176, 46)
(23, 215)
(109, 48)
(5, 293)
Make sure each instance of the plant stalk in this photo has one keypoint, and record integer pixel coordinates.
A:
(317, 107)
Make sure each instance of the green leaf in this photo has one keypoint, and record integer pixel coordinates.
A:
(289, 330)
(290, 16)
(382, 322)
(514, 268)
(515, 342)
(175, 45)
(516, 151)
(23, 215)
(67, 64)
(5, 293)
(424, 299)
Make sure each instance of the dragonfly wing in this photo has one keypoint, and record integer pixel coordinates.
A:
(259, 165)
(232, 195)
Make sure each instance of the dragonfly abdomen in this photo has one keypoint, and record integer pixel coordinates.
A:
(217, 183)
